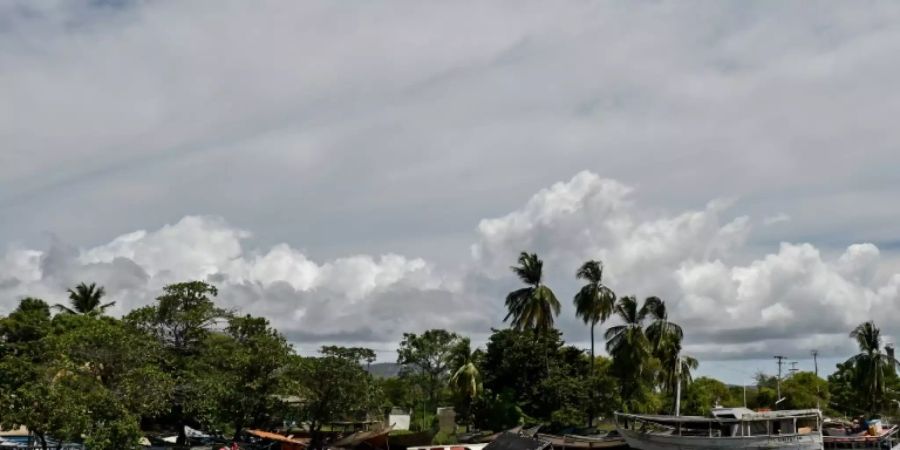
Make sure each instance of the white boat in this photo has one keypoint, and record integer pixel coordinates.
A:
(728, 428)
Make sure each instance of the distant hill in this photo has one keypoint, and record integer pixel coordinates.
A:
(384, 370)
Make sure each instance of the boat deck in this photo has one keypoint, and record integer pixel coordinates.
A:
(889, 438)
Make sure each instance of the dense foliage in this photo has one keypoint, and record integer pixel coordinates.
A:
(69, 372)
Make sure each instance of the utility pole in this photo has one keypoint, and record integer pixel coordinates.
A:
(815, 355)
(780, 359)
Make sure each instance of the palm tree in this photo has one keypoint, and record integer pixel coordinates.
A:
(466, 379)
(665, 339)
(594, 302)
(85, 299)
(661, 332)
(871, 363)
(534, 306)
(628, 345)
(675, 369)
(628, 338)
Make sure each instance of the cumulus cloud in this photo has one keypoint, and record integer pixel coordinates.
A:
(589, 217)
(792, 299)
(698, 261)
(360, 298)
(347, 136)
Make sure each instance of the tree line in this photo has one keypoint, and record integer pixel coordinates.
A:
(72, 373)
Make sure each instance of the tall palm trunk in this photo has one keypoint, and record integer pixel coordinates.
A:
(593, 372)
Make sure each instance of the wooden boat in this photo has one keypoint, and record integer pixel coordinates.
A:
(287, 442)
(884, 438)
(373, 439)
(571, 441)
(727, 429)
(450, 447)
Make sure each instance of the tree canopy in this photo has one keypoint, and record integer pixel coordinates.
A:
(79, 375)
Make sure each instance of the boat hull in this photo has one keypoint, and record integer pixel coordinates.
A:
(649, 441)
(582, 443)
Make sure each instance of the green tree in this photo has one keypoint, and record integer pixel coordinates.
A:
(844, 391)
(92, 378)
(497, 411)
(534, 306)
(333, 388)
(804, 390)
(426, 358)
(765, 398)
(24, 328)
(115, 368)
(665, 339)
(765, 380)
(705, 393)
(49, 403)
(630, 349)
(594, 302)
(604, 387)
(871, 364)
(465, 380)
(398, 392)
(557, 391)
(511, 371)
(26, 383)
(358, 354)
(252, 363)
(182, 321)
(85, 299)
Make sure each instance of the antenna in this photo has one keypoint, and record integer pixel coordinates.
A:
(794, 368)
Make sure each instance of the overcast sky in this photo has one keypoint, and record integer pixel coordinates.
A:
(354, 170)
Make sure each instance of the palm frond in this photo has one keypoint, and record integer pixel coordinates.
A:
(63, 309)
(105, 306)
(591, 271)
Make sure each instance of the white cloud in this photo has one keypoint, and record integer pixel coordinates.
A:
(697, 260)
(776, 219)
(401, 127)
(360, 297)
(345, 137)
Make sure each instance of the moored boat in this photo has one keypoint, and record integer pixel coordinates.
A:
(884, 437)
(609, 441)
(728, 428)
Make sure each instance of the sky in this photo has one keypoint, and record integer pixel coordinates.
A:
(356, 170)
